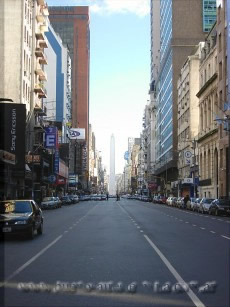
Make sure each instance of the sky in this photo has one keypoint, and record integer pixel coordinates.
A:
(119, 71)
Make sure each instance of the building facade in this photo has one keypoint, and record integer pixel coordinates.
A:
(188, 123)
(208, 129)
(180, 30)
(72, 24)
(22, 60)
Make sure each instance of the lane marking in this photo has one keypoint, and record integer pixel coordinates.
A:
(212, 231)
(187, 222)
(194, 225)
(225, 237)
(21, 268)
(196, 301)
(141, 231)
(202, 228)
(65, 231)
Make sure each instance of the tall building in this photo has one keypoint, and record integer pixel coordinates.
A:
(209, 14)
(180, 29)
(112, 179)
(72, 24)
(23, 25)
(58, 101)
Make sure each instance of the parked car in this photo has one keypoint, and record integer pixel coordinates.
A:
(66, 200)
(146, 198)
(219, 206)
(169, 201)
(49, 203)
(196, 205)
(20, 217)
(192, 203)
(174, 201)
(205, 204)
(180, 203)
(58, 201)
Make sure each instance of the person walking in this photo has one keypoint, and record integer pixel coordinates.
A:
(186, 199)
(107, 196)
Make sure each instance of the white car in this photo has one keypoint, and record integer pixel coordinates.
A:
(49, 203)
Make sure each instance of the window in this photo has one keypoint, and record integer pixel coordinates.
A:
(220, 71)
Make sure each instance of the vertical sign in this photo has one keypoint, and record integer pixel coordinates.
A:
(56, 162)
(51, 137)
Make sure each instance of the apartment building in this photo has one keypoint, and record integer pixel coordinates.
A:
(208, 143)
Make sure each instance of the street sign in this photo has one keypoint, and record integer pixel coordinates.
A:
(52, 178)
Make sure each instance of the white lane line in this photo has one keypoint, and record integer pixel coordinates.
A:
(196, 301)
(225, 237)
(186, 222)
(212, 231)
(181, 220)
(70, 228)
(202, 228)
(141, 231)
(220, 220)
(21, 268)
(213, 218)
(194, 225)
(65, 231)
(227, 221)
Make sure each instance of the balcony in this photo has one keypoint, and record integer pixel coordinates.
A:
(41, 2)
(40, 17)
(43, 43)
(40, 35)
(40, 90)
(39, 108)
(39, 71)
(39, 52)
(43, 59)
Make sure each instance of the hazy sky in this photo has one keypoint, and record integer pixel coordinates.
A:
(119, 70)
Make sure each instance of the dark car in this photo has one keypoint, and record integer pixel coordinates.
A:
(20, 217)
(220, 206)
(66, 200)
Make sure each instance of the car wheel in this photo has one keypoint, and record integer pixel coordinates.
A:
(40, 229)
(31, 233)
(216, 212)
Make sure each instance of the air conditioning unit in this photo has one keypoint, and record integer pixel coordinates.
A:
(25, 73)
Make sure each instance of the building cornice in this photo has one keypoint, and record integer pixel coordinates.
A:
(206, 85)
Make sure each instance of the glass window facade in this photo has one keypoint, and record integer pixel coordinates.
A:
(209, 14)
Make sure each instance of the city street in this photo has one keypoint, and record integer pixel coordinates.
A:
(120, 253)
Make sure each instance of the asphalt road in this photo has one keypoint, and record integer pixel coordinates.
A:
(125, 253)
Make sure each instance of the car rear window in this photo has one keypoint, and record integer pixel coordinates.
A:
(15, 207)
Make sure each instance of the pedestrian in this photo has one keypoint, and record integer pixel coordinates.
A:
(107, 196)
(186, 199)
(118, 197)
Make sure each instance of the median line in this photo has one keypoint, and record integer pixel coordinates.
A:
(21, 268)
(225, 237)
(196, 301)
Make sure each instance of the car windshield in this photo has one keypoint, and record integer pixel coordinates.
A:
(47, 199)
(208, 201)
(15, 207)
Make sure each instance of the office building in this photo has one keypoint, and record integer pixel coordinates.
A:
(180, 29)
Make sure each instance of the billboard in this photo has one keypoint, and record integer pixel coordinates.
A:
(77, 133)
(12, 134)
